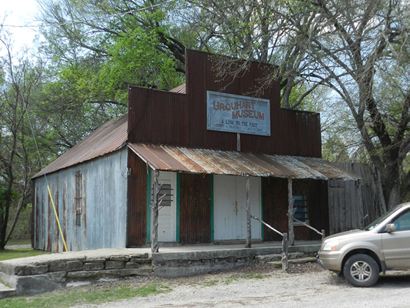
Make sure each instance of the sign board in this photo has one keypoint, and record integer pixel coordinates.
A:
(238, 114)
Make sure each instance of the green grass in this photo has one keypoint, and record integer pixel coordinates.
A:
(87, 295)
(19, 253)
(19, 242)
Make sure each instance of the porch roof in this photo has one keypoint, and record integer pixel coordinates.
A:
(207, 161)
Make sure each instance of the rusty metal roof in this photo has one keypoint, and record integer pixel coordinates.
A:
(171, 158)
(108, 138)
(179, 89)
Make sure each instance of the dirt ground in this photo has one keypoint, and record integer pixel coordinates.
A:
(261, 286)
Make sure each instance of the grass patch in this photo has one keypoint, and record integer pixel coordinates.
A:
(210, 282)
(19, 242)
(19, 253)
(88, 295)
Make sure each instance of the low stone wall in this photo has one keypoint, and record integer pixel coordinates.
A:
(49, 272)
(45, 274)
(200, 262)
(177, 264)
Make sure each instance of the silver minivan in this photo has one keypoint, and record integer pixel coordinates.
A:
(361, 255)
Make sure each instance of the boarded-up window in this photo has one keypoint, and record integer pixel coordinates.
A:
(164, 194)
(78, 198)
(300, 209)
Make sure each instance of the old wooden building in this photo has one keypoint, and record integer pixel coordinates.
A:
(207, 149)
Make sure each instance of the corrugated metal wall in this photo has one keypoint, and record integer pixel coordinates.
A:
(102, 221)
(137, 201)
(195, 208)
(180, 119)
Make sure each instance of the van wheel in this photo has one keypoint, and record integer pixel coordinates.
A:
(361, 270)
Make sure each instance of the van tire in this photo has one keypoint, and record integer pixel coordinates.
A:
(361, 270)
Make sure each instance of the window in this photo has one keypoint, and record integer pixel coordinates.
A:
(300, 209)
(78, 198)
(402, 223)
(165, 195)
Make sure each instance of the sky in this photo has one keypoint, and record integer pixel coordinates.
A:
(18, 16)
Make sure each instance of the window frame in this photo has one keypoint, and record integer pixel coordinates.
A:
(304, 199)
(78, 198)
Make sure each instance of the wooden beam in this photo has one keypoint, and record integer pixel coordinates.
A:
(285, 252)
(154, 214)
(291, 232)
(248, 214)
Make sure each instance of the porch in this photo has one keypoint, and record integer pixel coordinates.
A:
(206, 196)
(52, 271)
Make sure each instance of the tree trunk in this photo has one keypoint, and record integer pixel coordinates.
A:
(2, 234)
(4, 217)
(391, 185)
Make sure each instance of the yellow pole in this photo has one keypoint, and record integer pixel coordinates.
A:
(57, 219)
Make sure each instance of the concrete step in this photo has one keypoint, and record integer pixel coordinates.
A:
(5, 291)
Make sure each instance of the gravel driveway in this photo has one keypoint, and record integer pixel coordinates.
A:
(315, 288)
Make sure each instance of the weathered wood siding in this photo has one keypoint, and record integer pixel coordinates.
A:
(354, 204)
(195, 221)
(137, 201)
(315, 192)
(275, 206)
(104, 199)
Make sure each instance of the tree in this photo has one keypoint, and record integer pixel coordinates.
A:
(96, 50)
(18, 85)
(359, 49)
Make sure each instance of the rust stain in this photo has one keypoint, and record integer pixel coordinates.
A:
(206, 161)
(181, 89)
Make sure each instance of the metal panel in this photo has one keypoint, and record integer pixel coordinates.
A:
(167, 214)
(137, 201)
(106, 139)
(179, 89)
(195, 217)
(168, 158)
(178, 119)
(103, 221)
(229, 207)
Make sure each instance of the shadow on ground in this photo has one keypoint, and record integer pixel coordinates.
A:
(390, 280)
(395, 280)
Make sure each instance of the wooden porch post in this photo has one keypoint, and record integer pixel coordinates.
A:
(291, 232)
(154, 214)
(248, 215)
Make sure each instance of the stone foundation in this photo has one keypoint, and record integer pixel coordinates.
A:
(52, 271)
(47, 273)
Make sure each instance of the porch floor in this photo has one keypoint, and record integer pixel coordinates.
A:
(257, 249)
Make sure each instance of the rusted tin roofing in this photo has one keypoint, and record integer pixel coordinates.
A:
(108, 138)
(170, 158)
(179, 89)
